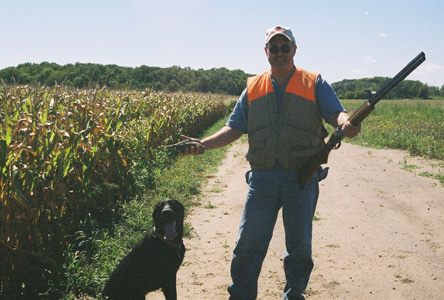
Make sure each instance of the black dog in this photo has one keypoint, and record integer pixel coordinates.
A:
(154, 262)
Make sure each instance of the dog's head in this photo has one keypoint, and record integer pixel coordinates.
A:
(168, 218)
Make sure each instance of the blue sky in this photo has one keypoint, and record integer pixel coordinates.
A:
(342, 39)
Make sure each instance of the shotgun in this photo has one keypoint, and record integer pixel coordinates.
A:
(309, 168)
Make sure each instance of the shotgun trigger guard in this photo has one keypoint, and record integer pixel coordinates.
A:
(338, 144)
(339, 135)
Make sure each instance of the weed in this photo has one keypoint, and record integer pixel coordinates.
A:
(310, 292)
(407, 280)
(407, 166)
(209, 205)
(439, 177)
(194, 275)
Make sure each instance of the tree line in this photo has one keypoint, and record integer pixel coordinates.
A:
(365, 87)
(216, 80)
(81, 75)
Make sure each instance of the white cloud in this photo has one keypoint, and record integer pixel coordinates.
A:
(382, 35)
(369, 59)
(359, 71)
(431, 67)
(429, 73)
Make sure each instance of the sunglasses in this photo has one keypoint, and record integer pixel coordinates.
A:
(275, 49)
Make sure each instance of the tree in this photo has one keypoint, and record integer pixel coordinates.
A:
(175, 78)
(173, 86)
(360, 94)
(433, 91)
(423, 92)
(349, 95)
(203, 84)
(414, 89)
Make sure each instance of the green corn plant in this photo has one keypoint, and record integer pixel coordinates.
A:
(65, 159)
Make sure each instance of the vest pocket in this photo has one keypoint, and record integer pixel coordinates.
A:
(256, 152)
(256, 143)
(302, 146)
(301, 140)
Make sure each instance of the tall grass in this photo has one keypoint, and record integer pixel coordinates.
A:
(415, 126)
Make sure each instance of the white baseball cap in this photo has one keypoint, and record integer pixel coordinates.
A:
(273, 31)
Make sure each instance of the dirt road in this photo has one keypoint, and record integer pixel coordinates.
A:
(378, 231)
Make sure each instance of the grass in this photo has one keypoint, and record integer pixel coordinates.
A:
(405, 280)
(86, 271)
(407, 166)
(439, 177)
(415, 126)
(209, 205)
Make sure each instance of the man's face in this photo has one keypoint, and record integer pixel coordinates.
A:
(280, 59)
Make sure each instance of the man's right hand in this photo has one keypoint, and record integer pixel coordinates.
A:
(191, 146)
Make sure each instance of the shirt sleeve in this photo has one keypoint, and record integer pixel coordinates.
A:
(326, 98)
(239, 117)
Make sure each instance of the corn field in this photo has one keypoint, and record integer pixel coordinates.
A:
(65, 157)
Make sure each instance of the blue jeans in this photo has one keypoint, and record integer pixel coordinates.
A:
(267, 194)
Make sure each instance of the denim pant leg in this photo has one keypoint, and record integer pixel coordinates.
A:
(298, 209)
(255, 231)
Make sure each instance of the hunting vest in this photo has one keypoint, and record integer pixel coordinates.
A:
(289, 136)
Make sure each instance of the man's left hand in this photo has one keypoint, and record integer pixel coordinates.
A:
(349, 130)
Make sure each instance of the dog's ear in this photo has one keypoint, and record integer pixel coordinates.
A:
(178, 208)
(157, 212)
(179, 211)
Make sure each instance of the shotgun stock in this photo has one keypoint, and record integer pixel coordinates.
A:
(309, 168)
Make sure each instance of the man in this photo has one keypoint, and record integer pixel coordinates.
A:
(281, 111)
